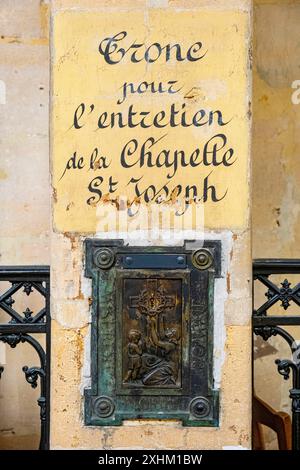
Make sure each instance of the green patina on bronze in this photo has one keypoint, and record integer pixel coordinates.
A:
(152, 333)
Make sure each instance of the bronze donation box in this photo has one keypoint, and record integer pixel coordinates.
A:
(152, 333)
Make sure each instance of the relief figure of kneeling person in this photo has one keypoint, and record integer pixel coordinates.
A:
(134, 351)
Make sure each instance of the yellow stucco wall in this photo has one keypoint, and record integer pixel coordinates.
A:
(24, 192)
(24, 174)
(227, 24)
(210, 89)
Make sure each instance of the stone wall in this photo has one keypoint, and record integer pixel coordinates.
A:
(24, 180)
(25, 239)
(276, 167)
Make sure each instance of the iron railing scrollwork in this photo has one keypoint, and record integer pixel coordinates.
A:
(266, 325)
(20, 327)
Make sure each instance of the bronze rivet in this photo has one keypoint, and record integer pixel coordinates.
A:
(202, 259)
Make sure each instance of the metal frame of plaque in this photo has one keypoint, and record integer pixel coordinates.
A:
(152, 333)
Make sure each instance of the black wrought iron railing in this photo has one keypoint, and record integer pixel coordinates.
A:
(21, 325)
(265, 325)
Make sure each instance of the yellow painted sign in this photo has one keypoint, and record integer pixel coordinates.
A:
(149, 108)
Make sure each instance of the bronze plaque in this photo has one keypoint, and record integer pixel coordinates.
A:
(152, 333)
